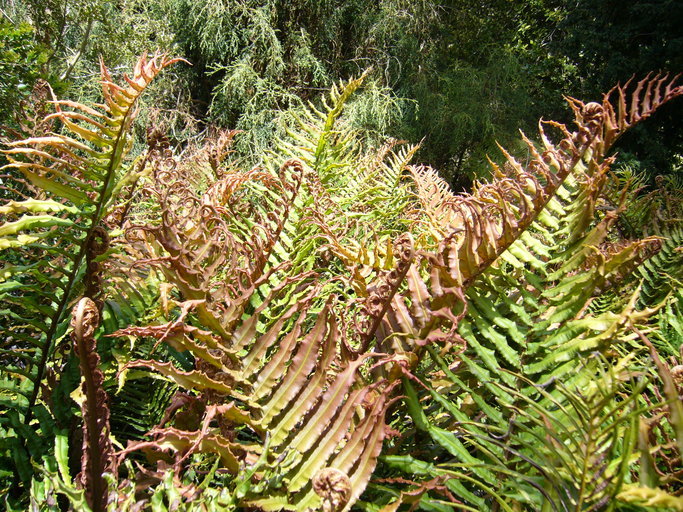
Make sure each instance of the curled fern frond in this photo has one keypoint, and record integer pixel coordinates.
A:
(498, 213)
(98, 453)
(272, 376)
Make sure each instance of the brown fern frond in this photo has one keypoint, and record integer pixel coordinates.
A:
(98, 452)
(646, 96)
(81, 164)
(266, 342)
(75, 166)
(491, 218)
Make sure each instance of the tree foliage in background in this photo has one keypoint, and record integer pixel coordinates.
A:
(460, 90)
(585, 47)
(460, 75)
(21, 65)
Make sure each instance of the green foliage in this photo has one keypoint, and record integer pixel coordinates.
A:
(21, 61)
(529, 325)
(460, 90)
(55, 240)
(332, 303)
(465, 74)
(563, 449)
(246, 63)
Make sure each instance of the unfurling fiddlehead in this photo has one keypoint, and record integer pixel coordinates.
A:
(97, 457)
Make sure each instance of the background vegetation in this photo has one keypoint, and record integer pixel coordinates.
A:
(458, 76)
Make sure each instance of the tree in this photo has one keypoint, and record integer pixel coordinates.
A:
(610, 42)
(21, 65)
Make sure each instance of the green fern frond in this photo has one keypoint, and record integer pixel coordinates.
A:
(530, 254)
(53, 242)
(561, 450)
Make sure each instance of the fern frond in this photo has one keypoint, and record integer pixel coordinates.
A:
(566, 449)
(267, 347)
(649, 497)
(51, 241)
(525, 259)
(498, 213)
(98, 452)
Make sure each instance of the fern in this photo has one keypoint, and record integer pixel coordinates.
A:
(271, 367)
(97, 455)
(287, 303)
(528, 250)
(53, 240)
(560, 450)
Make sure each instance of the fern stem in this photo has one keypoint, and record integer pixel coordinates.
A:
(385, 307)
